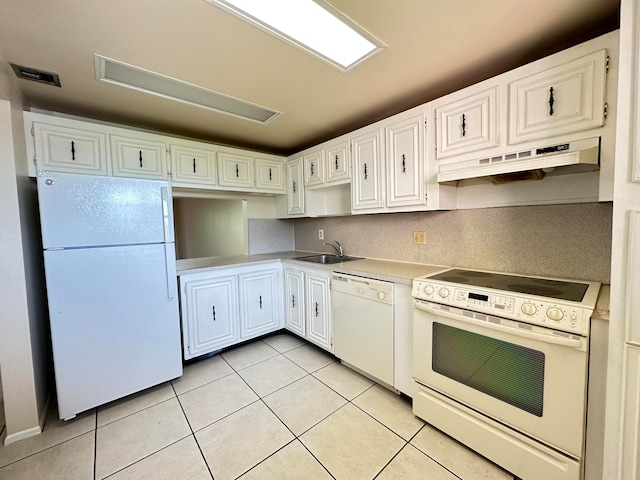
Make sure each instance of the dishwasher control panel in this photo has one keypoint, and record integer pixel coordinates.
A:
(362, 287)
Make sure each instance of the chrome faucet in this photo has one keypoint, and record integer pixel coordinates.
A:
(337, 247)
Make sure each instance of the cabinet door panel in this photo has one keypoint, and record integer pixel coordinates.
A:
(314, 168)
(467, 124)
(405, 163)
(65, 149)
(318, 309)
(135, 157)
(366, 188)
(259, 303)
(337, 160)
(235, 170)
(270, 175)
(294, 301)
(193, 165)
(563, 99)
(209, 315)
(295, 194)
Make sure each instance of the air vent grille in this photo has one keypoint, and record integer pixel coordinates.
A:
(35, 75)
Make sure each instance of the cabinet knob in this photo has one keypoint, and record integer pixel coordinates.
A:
(194, 165)
(464, 125)
(269, 174)
(312, 169)
(294, 186)
(73, 151)
(214, 312)
(140, 157)
(551, 101)
(365, 171)
(237, 171)
(293, 301)
(337, 162)
(404, 164)
(317, 313)
(260, 302)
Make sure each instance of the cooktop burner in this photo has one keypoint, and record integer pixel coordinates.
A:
(563, 290)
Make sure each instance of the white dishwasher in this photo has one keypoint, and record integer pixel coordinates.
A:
(363, 324)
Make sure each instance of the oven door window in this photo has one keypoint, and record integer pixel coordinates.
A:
(506, 371)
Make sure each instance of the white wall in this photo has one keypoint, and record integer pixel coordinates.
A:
(24, 343)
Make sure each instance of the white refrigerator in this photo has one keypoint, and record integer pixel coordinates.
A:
(110, 270)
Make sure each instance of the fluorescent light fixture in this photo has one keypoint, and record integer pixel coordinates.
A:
(124, 75)
(311, 25)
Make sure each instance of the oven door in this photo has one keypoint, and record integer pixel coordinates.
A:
(526, 377)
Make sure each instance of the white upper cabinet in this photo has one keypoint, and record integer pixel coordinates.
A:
(314, 167)
(466, 122)
(295, 176)
(566, 98)
(367, 180)
(235, 170)
(70, 149)
(270, 174)
(406, 162)
(193, 165)
(141, 156)
(338, 161)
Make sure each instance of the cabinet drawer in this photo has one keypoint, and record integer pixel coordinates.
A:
(193, 165)
(467, 124)
(567, 98)
(235, 170)
(135, 157)
(65, 149)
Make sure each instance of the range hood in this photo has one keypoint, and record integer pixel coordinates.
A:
(585, 154)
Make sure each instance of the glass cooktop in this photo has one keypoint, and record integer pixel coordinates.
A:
(563, 290)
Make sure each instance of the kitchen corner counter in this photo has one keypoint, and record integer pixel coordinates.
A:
(386, 270)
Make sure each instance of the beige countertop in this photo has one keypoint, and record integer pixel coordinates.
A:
(601, 312)
(387, 270)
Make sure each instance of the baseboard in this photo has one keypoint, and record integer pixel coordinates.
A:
(30, 432)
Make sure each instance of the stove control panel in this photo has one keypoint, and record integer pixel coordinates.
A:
(559, 315)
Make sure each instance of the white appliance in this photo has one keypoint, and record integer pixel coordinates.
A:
(500, 363)
(111, 284)
(363, 324)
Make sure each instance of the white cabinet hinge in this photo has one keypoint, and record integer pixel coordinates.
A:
(32, 133)
(606, 110)
(606, 65)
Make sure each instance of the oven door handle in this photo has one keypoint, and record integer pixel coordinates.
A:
(565, 342)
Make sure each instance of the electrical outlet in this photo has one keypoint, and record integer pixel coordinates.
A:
(419, 238)
(321, 234)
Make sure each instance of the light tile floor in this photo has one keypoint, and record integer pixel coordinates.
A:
(276, 408)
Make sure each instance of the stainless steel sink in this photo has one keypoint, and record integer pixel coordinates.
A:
(327, 259)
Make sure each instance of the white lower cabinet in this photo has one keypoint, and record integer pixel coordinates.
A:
(294, 301)
(222, 307)
(209, 313)
(308, 305)
(259, 300)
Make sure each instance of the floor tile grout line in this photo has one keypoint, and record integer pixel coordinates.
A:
(426, 454)
(137, 411)
(146, 456)
(202, 385)
(391, 460)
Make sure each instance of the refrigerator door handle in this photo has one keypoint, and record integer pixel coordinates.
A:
(172, 284)
(166, 214)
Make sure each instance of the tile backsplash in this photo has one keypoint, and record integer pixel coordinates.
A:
(566, 241)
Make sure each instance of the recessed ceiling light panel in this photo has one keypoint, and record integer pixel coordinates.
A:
(124, 75)
(311, 25)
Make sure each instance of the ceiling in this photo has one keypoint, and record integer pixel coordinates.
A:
(433, 47)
